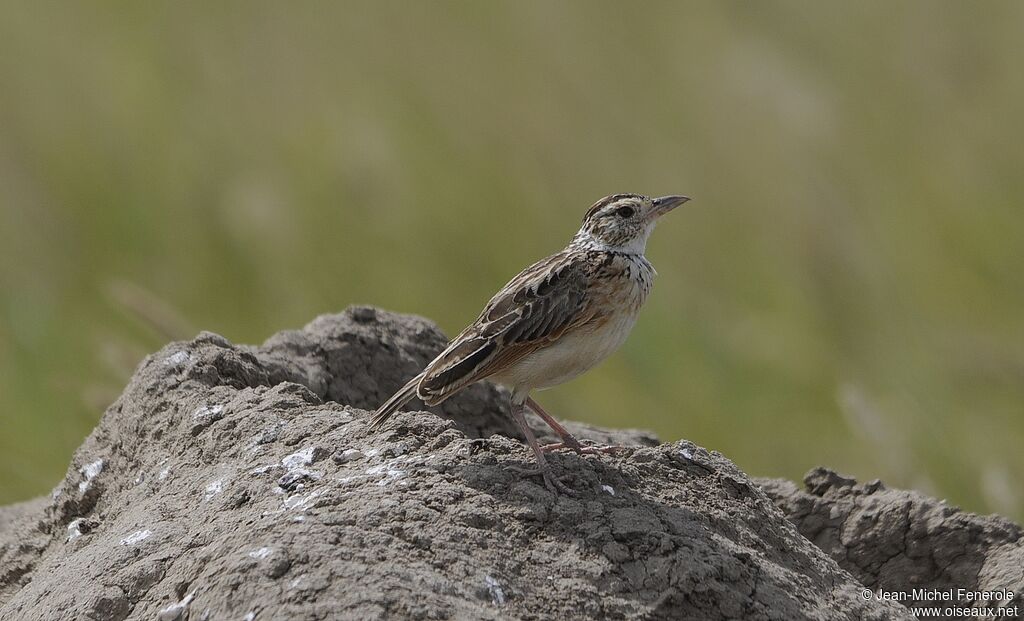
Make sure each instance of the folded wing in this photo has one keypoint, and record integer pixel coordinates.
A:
(532, 311)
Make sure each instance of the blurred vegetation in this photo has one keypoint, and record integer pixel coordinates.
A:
(844, 289)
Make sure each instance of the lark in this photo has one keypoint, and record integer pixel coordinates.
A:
(557, 319)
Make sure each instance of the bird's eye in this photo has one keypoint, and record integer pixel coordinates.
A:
(625, 212)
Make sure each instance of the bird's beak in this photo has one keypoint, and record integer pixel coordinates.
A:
(666, 204)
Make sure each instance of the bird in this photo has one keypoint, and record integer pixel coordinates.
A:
(555, 320)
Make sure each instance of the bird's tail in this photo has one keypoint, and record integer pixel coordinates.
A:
(397, 400)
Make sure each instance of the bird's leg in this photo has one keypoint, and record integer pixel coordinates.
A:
(569, 441)
(543, 468)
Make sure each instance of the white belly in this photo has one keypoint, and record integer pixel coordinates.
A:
(570, 356)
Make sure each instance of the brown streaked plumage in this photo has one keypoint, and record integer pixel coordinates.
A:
(555, 320)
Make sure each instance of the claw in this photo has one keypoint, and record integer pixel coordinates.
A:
(554, 485)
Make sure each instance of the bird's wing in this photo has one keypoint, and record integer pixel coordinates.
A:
(533, 310)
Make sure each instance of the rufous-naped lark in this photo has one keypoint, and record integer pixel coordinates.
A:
(557, 319)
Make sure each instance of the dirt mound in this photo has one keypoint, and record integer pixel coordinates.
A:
(897, 541)
(234, 482)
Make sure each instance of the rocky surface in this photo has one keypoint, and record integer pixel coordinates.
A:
(235, 482)
(896, 541)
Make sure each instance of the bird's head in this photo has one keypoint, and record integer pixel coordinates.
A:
(623, 222)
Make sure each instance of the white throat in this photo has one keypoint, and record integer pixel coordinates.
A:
(636, 245)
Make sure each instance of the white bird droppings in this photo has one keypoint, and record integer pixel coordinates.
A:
(299, 459)
(687, 454)
(208, 412)
(608, 489)
(389, 470)
(90, 472)
(136, 537)
(298, 501)
(177, 359)
(495, 590)
(261, 553)
(75, 529)
(175, 611)
(214, 488)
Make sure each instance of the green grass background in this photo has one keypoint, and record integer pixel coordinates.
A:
(845, 288)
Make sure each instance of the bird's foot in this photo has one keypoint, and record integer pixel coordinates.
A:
(554, 485)
(584, 449)
(570, 443)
